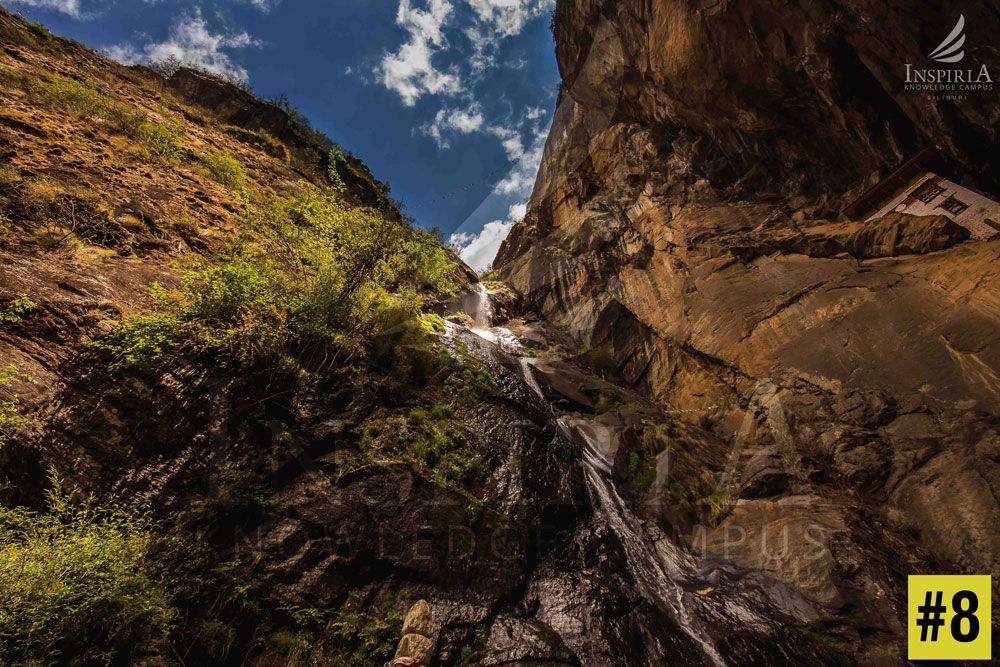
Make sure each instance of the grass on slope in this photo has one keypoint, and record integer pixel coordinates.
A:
(86, 101)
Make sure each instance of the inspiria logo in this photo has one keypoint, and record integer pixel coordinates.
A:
(949, 51)
(951, 83)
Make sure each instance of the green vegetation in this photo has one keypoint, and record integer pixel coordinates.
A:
(479, 637)
(607, 400)
(10, 175)
(641, 473)
(86, 101)
(16, 309)
(309, 282)
(336, 158)
(217, 638)
(428, 439)
(365, 638)
(642, 460)
(76, 585)
(819, 632)
(161, 139)
(690, 486)
(361, 637)
(10, 417)
(225, 169)
(433, 323)
(720, 504)
(40, 31)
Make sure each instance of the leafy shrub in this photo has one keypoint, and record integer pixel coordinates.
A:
(719, 503)
(217, 638)
(225, 169)
(308, 282)
(641, 474)
(336, 158)
(365, 638)
(16, 309)
(161, 139)
(75, 585)
(291, 645)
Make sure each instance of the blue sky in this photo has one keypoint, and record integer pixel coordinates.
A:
(447, 100)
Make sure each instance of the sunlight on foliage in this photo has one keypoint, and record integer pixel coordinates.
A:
(225, 169)
(75, 586)
(336, 157)
(306, 283)
(16, 309)
(86, 101)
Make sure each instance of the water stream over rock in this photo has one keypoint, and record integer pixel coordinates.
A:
(618, 589)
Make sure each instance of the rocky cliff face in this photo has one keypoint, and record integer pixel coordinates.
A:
(739, 422)
(685, 227)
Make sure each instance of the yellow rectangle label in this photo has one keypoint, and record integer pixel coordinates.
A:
(948, 617)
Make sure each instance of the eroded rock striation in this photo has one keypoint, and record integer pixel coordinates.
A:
(685, 228)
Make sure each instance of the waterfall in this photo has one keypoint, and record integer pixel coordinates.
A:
(664, 571)
(656, 563)
(482, 312)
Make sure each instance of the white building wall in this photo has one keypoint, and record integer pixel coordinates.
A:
(981, 218)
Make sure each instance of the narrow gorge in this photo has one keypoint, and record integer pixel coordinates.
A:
(706, 408)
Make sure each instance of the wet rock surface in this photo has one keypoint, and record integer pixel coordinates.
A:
(685, 232)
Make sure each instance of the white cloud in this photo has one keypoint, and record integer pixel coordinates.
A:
(534, 113)
(508, 17)
(496, 20)
(193, 43)
(479, 250)
(264, 5)
(70, 7)
(521, 178)
(460, 121)
(409, 71)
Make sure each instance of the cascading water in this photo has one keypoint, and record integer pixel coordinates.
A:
(665, 573)
(656, 563)
(482, 313)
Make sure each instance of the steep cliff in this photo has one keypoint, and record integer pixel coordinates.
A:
(685, 226)
(248, 415)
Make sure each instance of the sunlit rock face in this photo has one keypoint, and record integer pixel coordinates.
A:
(686, 221)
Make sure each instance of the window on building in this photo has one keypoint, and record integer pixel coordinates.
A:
(953, 206)
(927, 192)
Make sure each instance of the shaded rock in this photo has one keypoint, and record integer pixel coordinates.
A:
(514, 641)
(790, 539)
